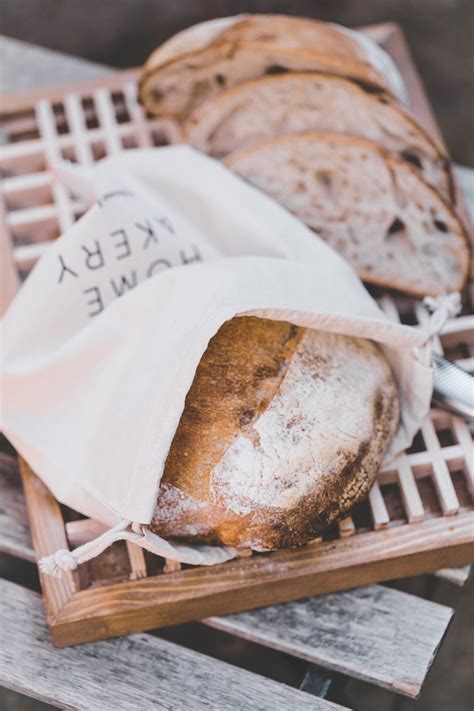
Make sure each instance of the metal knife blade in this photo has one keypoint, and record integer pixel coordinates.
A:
(453, 388)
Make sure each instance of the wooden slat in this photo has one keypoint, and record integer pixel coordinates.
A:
(137, 115)
(378, 508)
(136, 556)
(376, 634)
(460, 324)
(410, 494)
(137, 672)
(463, 435)
(441, 477)
(346, 527)
(48, 131)
(171, 566)
(388, 305)
(424, 460)
(29, 252)
(77, 122)
(106, 115)
(14, 154)
(31, 182)
(83, 531)
(29, 217)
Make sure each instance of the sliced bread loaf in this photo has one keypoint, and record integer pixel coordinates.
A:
(271, 106)
(375, 210)
(201, 61)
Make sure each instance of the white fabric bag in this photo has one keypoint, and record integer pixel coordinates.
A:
(94, 385)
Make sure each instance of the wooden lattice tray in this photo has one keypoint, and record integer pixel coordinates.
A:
(419, 516)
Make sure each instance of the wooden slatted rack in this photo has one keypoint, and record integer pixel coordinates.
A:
(418, 516)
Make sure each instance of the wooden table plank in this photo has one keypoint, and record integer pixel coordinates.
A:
(376, 634)
(15, 536)
(139, 671)
(28, 66)
(456, 576)
(379, 619)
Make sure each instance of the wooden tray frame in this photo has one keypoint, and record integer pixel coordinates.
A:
(90, 604)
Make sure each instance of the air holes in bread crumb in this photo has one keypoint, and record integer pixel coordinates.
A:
(156, 95)
(324, 178)
(395, 228)
(440, 225)
(276, 69)
(412, 158)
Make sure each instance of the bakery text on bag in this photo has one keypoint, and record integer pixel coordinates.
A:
(144, 235)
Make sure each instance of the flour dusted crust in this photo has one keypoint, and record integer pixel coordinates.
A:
(312, 101)
(283, 431)
(201, 61)
(374, 209)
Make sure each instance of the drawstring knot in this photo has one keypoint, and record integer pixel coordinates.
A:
(63, 559)
(442, 308)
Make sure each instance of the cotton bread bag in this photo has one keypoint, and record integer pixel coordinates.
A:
(94, 385)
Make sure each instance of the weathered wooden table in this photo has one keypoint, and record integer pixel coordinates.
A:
(286, 656)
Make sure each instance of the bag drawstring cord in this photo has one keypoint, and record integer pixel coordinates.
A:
(64, 559)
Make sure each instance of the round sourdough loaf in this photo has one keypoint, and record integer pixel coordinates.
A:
(202, 60)
(283, 431)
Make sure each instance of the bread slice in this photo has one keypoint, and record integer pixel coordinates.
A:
(257, 110)
(375, 210)
(283, 431)
(201, 61)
